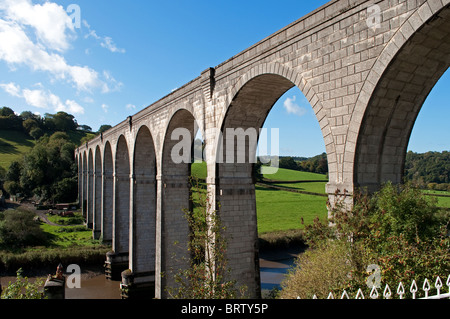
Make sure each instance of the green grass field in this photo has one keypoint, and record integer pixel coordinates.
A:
(280, 210)
(290, 175)
(13, 145)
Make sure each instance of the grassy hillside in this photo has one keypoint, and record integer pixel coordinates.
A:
(13, 145)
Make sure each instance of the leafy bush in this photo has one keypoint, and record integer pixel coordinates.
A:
(22, 288)
(398, 229)
(18, 229)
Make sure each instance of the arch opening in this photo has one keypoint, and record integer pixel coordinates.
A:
(396, 101)
(143, 221)
(177, 156)
(235, 186)
(108, 195)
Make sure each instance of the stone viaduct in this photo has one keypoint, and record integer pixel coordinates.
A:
(366, 67)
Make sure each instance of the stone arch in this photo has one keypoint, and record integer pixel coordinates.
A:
(121, 219)
(175, 194)
(235, 189)
(98, 190)
(393, 94)
(296, 79)
(143, 245)
(108, 194)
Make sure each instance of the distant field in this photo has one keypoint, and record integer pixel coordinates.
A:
(313, 187)
(290, 175)
(279, 210)
(13, 145)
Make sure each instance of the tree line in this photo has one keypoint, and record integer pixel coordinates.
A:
(36, 125)
(427, 170)
(48, 172)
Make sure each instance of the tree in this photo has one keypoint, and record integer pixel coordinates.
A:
(6, 111)
(18, 229)
(104, 128)
(48, 170)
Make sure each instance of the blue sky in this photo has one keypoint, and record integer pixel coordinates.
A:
(125, 55)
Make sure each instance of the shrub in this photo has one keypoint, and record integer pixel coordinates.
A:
(18, 229)
(317, 272)
(399, 229)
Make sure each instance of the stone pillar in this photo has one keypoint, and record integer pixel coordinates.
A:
(141, 275)
(90, 198)
(339, 194)
(55, 288)
(236, 197)
(96, 228)
(118, 259)
(175, 190)
(158, 231)
(107, 207)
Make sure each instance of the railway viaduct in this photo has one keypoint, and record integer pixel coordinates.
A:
(366, 68)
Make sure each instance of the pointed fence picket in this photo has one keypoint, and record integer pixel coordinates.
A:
(387, 293)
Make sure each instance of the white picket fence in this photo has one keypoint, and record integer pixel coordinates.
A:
(414, 290)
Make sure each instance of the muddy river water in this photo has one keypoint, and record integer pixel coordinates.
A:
(273, 267)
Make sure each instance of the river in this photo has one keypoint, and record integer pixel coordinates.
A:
(94, 285)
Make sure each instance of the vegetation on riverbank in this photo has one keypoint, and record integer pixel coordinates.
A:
(29, 244)
(398, 229)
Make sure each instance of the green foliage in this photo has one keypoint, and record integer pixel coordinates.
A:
(22, 288)
(18, 229)
(398, 228)
(428, 168)
(48, 170)
(206, 276)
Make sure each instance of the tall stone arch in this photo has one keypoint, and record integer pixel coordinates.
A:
(119, 257)
(98, 193)
(143, 214)
(393, 94)
(175, 195)
(108, 194)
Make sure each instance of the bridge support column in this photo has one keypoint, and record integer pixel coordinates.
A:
(139, 280)
(118, 259)
(96, 227)
(339, 194)
(236, 196)
(174, 236)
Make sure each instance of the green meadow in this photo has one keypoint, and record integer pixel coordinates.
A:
(13, 145)
(283, 210)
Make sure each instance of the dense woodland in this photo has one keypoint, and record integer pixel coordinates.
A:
(48, 172)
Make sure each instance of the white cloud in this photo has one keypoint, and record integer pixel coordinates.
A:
(11, 88)
(130, 106)
(109, 44)
(105, 108)
(72, 107)
(36, 35)
(43, 99)
(18, 49)
(293, 108)
(105, 42)
(49, 20)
